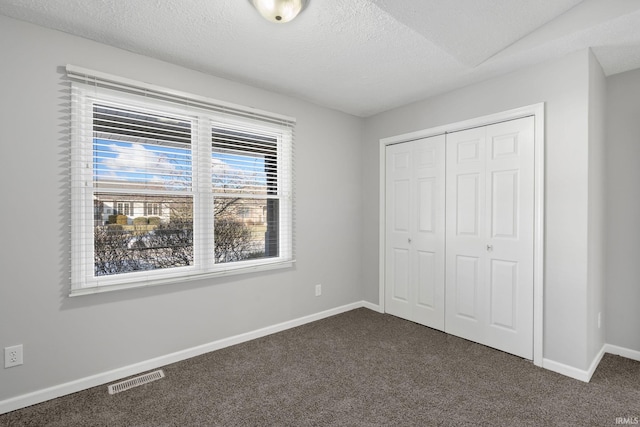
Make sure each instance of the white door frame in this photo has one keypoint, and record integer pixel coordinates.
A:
(535, 110)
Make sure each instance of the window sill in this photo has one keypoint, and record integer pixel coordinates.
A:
(89, 290)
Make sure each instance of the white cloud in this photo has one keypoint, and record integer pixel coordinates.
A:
(138, 158)
(230, 176)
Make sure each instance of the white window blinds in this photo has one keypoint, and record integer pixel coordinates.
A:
(168, 186)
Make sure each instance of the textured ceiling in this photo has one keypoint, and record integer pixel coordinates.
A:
(358, 56)
(473, 31)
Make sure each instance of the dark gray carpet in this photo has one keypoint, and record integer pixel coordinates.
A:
(359, 368)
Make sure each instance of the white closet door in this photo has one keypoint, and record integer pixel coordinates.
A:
(414, 259)
(489, 235)
(398, 233)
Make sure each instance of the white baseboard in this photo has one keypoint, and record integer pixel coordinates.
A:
(621, 351)
(566, 370)
(585, 375)
(575, 373)
(43, 395)
(372, 306)
(595, 363)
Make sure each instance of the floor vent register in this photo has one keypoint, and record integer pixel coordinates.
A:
(136, 381)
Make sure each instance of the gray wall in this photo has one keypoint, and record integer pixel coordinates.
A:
(622, 320)
(66, 339)
(564, 86)
(596, 208)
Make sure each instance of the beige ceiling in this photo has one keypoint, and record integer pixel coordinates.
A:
(357, 56)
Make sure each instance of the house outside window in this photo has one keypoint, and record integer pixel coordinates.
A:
(176, 192)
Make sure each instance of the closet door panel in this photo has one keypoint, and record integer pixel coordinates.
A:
(427, 280)
(414, 209)
(466, 287)
(465, 229)
(399, 167)
(510, 169)
(467, 204)
(489, 256)
(428, 233)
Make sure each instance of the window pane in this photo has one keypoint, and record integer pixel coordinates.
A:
(127, 239)
(233, 173)
(243, 162)
(140, 150)
(245, 229)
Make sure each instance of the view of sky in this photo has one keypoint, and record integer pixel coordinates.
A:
(138, 163)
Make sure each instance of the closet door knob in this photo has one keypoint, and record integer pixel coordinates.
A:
(409, 239)
(489, 248)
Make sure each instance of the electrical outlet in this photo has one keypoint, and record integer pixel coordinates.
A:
(13, 356)
(318, 290)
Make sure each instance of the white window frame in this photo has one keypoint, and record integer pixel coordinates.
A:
(85, 92)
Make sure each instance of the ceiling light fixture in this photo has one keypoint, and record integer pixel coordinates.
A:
(279, 11)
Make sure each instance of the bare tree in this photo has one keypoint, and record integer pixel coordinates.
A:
(232, 240)
(112, 254)
(170, 244)
(121, 249)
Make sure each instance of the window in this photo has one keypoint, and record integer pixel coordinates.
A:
(168, 187)
(152, 209)
(124, 208)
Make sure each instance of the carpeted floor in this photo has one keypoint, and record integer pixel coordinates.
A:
(359, 368)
